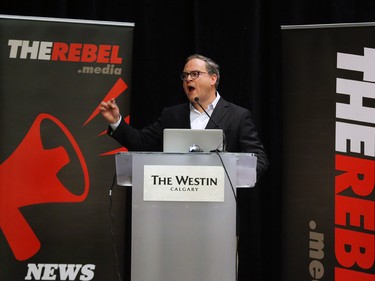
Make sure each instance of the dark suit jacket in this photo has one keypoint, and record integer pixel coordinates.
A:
(236, 121)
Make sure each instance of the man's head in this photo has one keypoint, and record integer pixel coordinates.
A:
(200, 78)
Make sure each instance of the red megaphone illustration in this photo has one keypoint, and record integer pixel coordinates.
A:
(28, 177)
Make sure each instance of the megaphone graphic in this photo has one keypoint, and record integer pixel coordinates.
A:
(28, 177)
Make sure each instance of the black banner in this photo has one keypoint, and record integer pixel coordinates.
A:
(57, 164)
(329, 152)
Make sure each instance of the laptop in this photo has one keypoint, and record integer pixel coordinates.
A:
(192, 140)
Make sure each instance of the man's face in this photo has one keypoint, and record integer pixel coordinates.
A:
(202, 86)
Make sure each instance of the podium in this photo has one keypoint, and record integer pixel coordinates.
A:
(184, 213)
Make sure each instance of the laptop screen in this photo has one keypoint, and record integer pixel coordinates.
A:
(186, 140)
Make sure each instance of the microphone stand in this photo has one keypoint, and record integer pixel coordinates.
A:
(196, 99)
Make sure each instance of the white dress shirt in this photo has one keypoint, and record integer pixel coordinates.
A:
(199, 120)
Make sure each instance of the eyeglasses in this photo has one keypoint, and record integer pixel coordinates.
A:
(193, 74)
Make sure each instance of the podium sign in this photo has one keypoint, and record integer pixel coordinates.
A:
(183, 183)
(182, 239)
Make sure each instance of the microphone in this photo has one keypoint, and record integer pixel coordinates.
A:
(196, 99)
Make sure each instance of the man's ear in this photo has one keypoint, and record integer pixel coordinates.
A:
(213, 79)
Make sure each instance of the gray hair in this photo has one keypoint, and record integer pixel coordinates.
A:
(211, 66)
